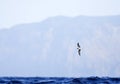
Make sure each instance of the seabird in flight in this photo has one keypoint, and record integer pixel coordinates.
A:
(79, 49)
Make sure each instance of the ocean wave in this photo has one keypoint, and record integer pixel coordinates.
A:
(59, 80)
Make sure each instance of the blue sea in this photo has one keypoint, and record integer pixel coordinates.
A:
(59, 80)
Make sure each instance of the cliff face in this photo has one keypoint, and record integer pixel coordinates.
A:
(49, 47)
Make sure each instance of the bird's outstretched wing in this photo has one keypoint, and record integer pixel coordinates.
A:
(79, 52)
(78, 45)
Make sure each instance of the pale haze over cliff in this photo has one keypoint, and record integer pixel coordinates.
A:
(48, 48)
(39, 37)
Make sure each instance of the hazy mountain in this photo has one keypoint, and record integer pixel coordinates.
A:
(48, 48)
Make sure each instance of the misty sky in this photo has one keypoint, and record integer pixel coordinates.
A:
(14, 12)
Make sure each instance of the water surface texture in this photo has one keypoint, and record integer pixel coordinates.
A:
(59, 80)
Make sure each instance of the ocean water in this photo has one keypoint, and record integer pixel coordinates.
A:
(58, 80)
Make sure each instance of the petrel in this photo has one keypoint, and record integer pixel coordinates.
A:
(79, 49)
